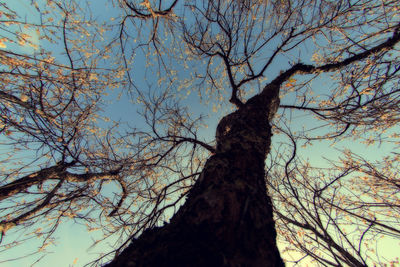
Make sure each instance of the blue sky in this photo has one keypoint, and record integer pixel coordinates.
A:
(73, 241)
(71, 247)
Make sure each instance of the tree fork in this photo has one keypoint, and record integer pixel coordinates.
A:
(227, 219)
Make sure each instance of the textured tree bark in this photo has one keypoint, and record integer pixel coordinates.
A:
(227, 219)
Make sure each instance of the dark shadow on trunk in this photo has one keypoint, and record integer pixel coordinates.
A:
(227, 219)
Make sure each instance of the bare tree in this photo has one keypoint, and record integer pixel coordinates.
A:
(334, 63)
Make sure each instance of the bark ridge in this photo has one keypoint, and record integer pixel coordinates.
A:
(227, 219)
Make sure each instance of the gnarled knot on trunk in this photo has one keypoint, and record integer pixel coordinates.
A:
(249, 125)
(226, 126)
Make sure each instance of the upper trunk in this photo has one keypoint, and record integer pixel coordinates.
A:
(227, 219)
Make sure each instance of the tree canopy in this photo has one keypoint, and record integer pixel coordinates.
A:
(70, 153)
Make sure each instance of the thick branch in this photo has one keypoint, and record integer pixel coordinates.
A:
(153, 12)
(301, 68)
(86, 177)
(5, 225)
(55, 172)
(194, 141)
(234, 97)
(25, 182)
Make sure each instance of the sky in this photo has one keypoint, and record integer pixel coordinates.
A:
(73, 242)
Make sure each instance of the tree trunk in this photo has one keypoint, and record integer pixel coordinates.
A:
(227, 219)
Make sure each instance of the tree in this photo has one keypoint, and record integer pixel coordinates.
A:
(275, 60)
